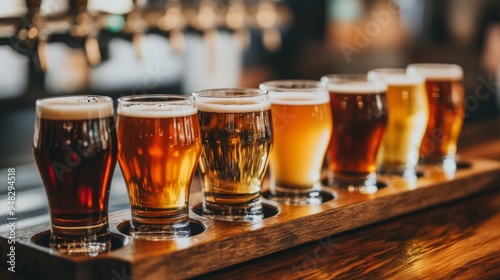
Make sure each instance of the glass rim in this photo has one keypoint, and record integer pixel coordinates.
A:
(389, 70)
(435, 65)
(229, 93)
(151, 99)
(436, 70)
(352, 83)
(45, 101)
(345, 77)
(395, 76)
(291, 85)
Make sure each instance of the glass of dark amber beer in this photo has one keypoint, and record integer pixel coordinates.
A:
(237, 136)
(408, 113)
(359, 112)
(302, 122)
(75, 151)
(445, 95)
(158, 148)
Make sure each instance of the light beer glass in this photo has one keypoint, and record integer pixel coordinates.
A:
(302, 122)
(237, 136)
(445, 95)
(75, 148)
(158, 148)
(408, 114)
(359, 113)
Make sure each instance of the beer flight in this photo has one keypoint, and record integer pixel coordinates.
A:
(390, 121)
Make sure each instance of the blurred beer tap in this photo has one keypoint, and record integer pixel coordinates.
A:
(235, 19)
(31, 37)
(267, 19)
(137, 25)
(86, 27)
(174, 23)
(205, 21)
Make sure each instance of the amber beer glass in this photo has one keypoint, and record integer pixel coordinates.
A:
(237, 136)
(75, 150)
(158, 148)
(302, 122)
(408, 113)
(445, 95)
(359, 119)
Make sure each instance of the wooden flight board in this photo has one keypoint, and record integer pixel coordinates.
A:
(218, 244)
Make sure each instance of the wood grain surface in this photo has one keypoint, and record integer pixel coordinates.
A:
(224, 244)
(459, 240)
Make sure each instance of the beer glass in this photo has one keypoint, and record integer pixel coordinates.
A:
(445, 95)
(359, 114)
(237, 135)
(302, 122)
(75, 148)
(158, 148)
(407, 103)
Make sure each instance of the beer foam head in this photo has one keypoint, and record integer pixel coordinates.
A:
(296, 92)
(156, 106)
(74, 107)
(237, 100)
(156, 110)
(395, 76)
(353, 84)
(436, 71)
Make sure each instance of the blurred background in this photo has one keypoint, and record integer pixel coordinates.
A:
(124, 47)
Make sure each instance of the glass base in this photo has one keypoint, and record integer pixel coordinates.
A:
(294, 196)
(355, 182)
(446, 165)
(160, 225)
(81, 241)
(409, 173)
(161, 232)
(234, 212)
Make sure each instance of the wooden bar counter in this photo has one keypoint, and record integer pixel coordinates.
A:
(457, 238)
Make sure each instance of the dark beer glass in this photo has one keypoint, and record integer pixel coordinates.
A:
(237, 135)
(158, 149)
(445, 95)
(359, 113)
(75, 151)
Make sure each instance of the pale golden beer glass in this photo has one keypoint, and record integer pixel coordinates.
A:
(359, 113)
(408, 114)
(159, 145)
(75, 149)
(237, 136)
(445, 95)
(302, 122)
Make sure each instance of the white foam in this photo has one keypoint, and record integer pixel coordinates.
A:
(297, 98)
(230, 105)
(395, 76)
(436, 71)
(75, 107)
(156, 111)
(373, 87)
